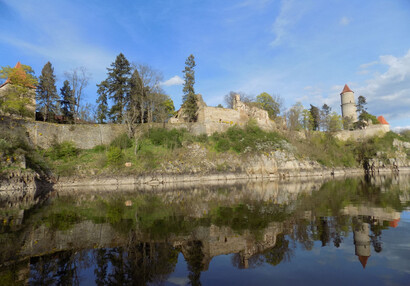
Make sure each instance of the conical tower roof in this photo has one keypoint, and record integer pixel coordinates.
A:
(363, 260)
(346, 89)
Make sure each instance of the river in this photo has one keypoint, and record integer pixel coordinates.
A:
(351, 231)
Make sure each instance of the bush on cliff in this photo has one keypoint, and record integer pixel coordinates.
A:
(122, 141)
(251, 138)
(169, 138)
(15, 145)
(64, 151)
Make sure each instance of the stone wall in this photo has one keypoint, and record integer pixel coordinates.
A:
(84, 136)
(370, 131)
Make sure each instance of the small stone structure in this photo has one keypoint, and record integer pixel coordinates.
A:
(216, 119)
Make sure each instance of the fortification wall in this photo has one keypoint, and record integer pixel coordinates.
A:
(214, 114)
(370, 131)
(84, 136)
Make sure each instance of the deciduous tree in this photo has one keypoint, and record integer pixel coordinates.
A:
(268, 103)
(78, 79)
(17, 97)
(294, 116)
(324, 117)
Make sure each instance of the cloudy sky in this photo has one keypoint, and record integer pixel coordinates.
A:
(302, 50)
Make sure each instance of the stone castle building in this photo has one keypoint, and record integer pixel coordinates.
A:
(348, 106)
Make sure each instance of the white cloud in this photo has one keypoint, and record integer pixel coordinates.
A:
(175, 80)
(367, 65)
(401, 128)
(344, 21)
(287, 17)
(388, 93)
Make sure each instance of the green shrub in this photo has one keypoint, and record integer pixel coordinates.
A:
(99, 148)
(222, 145)
(252, 138)
(405, 135)
(114, 155)
(63, 150)
(122, 141)
(168, 138)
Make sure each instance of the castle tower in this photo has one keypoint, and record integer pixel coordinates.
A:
(348, 104)
(362, 242)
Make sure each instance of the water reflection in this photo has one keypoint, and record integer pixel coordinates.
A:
(136, 237)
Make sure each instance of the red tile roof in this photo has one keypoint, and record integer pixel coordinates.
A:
(346, 89)
(382, 120)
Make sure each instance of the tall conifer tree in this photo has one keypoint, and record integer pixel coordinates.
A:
(47, 96)
(118, 86)
(102, 108)
(67, 100)
(189, 98)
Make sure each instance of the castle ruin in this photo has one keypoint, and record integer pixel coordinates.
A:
(217, 119)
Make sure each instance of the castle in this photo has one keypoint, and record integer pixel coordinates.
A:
(349, 112)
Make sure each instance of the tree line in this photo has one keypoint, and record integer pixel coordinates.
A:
(17, 98)
(132, 94)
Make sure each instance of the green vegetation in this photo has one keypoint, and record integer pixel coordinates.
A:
(17, 99)
(331, 152)
(251, 138)
(159, 150)
(15, 148)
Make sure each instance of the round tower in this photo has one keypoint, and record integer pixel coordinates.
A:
(348, 104)
(362, 242)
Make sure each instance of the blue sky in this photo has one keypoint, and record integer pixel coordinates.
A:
(303, 50)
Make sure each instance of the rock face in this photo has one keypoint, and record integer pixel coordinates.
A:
(17, 187)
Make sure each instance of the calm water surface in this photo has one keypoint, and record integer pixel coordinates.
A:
(341, 232)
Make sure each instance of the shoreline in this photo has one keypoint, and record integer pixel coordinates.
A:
(158, 180)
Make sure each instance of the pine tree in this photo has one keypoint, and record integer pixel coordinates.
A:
(118, 86)
(67, 100)
(47, 96)
(102, 108)
(316, 116)
(189, 99)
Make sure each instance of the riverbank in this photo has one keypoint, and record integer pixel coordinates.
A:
(165, 181)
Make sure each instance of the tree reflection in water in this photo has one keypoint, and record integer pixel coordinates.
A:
(140, 244)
